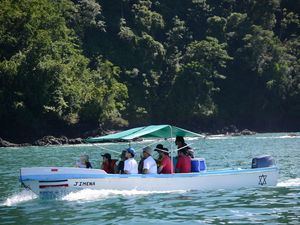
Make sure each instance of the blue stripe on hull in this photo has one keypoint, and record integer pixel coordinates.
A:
(63, 177)
(49, 181)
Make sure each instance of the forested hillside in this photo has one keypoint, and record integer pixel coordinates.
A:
(201, 64)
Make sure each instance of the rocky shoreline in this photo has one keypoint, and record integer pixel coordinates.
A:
(45, 141)
(63, 140)
(232, 130)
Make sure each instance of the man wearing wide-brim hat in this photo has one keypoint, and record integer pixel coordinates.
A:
(165, 162)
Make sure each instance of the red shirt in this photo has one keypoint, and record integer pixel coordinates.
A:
(184, 164)
(109, 167)
(167, 165)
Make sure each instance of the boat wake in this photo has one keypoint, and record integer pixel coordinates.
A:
(289, 183)
(18, 198)
(94, 195)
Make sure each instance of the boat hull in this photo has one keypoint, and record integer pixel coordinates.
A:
(53, 181)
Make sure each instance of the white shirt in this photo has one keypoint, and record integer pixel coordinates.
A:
(131, 166)
(150, 165)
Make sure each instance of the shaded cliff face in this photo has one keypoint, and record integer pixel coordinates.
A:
(69, 67)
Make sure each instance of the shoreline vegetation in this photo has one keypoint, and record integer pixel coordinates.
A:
(50, 140)
(73, 69)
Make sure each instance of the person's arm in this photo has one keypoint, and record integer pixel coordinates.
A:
(126, 167)
(159, 169)
(146, 167)
(145, 171)
(162, 165)
(116, 168)
(178, 165)
(89, 165)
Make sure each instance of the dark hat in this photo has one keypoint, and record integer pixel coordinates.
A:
(179, 138)
(159, 147)
(106, 155)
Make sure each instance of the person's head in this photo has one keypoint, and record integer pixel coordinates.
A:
(161, 150)
(123, 155)
(84, 158)
(130, 152)
(147, 151)
(106, 157)
(179, 141)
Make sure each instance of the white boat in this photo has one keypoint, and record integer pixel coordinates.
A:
(53, 181)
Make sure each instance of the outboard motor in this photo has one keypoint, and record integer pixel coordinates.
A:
(262, 161)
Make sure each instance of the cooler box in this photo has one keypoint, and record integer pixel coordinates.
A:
(262, 161)
(198, 165)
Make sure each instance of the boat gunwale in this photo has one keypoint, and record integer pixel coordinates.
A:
(47, 177)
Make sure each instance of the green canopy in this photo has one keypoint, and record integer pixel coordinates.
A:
(153, 131)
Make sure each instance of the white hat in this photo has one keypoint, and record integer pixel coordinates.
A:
(148, 150)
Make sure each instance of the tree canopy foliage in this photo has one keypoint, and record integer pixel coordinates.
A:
(115, 63)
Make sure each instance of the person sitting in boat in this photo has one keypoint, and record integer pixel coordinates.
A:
(120, 166)
(141, 164)
(84, 162)
(159, 159)
(184, 162)
(165, 165)
(149, 166)
(180, 145)
(130, 165)
(108, 164)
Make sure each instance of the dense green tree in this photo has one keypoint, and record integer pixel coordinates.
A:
(133, 62)
(44, 74)
(204, 63)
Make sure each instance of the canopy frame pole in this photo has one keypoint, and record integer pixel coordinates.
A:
(171, 135)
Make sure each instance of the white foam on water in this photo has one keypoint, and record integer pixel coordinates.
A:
(289, 183)
(94, 195)
(288, 136)
(218, 137)
(17, 198)
(192, 138)
(279, 137)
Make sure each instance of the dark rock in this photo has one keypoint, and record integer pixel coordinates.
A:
(247, 132)
(75, 141)
(236, 134)
(25, 144)
(63, 140)
(48, 140)
(4, 143)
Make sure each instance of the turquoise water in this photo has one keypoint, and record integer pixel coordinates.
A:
(265, 205)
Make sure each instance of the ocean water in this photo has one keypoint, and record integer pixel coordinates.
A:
(264, 205)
